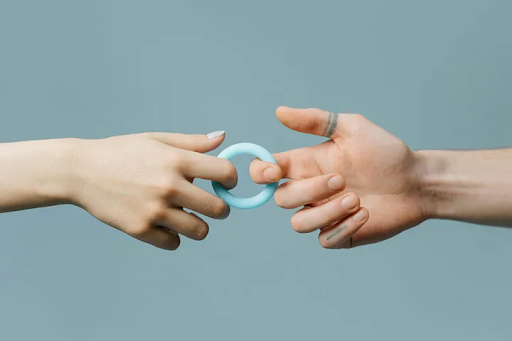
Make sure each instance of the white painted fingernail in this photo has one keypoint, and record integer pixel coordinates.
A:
(215, 134)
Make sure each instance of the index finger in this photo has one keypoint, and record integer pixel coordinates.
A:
(197, 165)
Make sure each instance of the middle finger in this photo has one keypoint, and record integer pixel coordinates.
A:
(296, 193)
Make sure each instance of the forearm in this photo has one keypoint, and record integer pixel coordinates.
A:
(471, 186)
(34, 173)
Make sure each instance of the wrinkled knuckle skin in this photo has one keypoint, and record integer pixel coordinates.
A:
(191, 139)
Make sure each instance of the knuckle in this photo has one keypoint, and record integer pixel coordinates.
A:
(358, 118)
(167, 187)
(139, 231)
(156, 211)
(190, 139)
(170, 189)
(179, 162)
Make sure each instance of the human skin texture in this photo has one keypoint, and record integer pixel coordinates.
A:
(140, 184)
(364, 185)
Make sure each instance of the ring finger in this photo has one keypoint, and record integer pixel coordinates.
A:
(201, 201)
(312, 218)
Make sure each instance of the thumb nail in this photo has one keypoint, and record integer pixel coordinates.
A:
(215, 134)
(270, 174)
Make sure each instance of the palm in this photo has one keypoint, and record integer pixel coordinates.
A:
(376, 165)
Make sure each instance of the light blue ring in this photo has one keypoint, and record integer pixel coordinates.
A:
(257, 200)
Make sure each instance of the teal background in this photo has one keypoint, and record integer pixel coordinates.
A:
(436, 73)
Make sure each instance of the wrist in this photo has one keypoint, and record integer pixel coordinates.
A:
(36, 173)
(431, 181)
(59, 182)
(470, 186)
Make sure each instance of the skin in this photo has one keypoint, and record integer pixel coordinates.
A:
(393, 188)
(361, 186)
(139, 184)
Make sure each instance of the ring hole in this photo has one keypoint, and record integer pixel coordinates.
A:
(246, 187)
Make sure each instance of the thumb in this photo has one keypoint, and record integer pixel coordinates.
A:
(310, 121)
(194, 142)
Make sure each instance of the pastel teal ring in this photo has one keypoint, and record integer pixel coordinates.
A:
(257, 200)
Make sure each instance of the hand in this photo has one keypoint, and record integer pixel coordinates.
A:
(140, 184)
(379, 173)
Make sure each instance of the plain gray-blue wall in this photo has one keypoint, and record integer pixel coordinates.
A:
(436, 73)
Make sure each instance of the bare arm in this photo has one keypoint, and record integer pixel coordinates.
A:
(471, 186)
(138, 183)
(35, 173)
(396, 187)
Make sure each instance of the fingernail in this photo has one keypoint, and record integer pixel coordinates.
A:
(270, 173)
(215, 134)
(359, 216)
(335, 183)
(349, 202)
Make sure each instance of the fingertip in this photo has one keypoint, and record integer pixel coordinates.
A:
(356, 238)
(220, 134)
(272, 173)
(263, 172)
(255, 165)
(173, 243)
(282, 111)
(230, 185)
(226, 213)
(335, 182)
(361, 216)
(231, 176)
(347, 244)
(213, 140)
